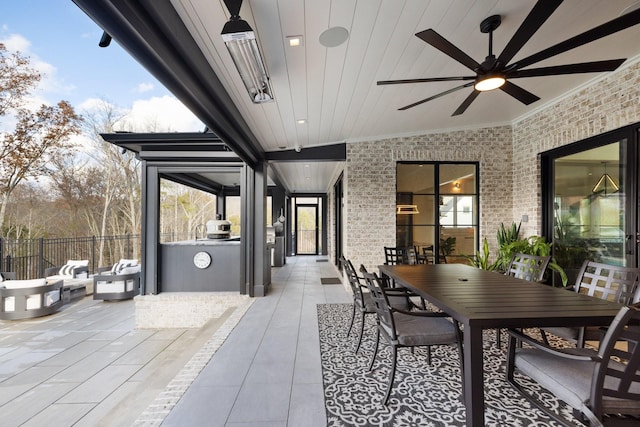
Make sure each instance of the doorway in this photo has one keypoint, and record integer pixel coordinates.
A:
(306, 229)
(591, 201)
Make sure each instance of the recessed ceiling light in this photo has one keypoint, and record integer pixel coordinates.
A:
(301, 121)
(334, 36)
(294, 41)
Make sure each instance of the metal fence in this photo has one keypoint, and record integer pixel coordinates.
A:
(29, 258)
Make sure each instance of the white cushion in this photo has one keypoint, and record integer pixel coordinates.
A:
(131, 270)
(117, 267)
(50, 298)
(110, 287)
(20, 284)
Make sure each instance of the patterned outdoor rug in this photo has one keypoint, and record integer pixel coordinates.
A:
(423, 395)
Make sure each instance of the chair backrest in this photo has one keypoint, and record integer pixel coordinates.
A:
(619, 380)
(352, 277)
(609, 282)
(381, 302)
(394, 256)
(7, 275)
(528, 267)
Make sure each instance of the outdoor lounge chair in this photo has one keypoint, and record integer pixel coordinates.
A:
(23, 299)
(117, 282)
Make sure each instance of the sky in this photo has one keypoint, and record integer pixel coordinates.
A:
(62, 43)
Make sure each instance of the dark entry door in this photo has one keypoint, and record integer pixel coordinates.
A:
(306, 229)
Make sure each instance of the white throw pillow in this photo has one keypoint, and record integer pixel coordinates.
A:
(130, 270)
(66, 270)
(123, 263)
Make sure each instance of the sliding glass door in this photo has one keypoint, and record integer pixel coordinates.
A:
(591, 201)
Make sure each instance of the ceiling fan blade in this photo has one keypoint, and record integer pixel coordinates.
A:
(538, 15)
(431, 98)
(426, 80)
(465, 104)
(584, 67)
(621, 23)
(519, 93)
(446, 47)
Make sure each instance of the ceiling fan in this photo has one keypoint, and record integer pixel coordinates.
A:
(496, 73)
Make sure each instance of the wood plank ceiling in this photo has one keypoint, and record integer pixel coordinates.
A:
(334, 89)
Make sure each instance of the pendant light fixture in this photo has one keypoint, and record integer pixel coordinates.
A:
(407, 210)
(605, 179)
(242, 45)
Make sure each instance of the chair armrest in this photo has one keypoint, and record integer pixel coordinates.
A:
(102, 270)
(79, 270)
(569, 353)
(51, 271)
(115, 277)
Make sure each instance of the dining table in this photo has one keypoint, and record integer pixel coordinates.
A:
(479, 299)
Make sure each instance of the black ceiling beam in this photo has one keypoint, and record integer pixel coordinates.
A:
(153, 33)
(324, 153)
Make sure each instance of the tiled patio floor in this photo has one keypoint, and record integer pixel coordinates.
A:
(87, 366)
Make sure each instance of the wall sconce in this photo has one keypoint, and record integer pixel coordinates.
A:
(407, 210)
(456, 185)
(241, 42)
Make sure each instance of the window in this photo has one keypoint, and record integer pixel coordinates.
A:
(441, 218)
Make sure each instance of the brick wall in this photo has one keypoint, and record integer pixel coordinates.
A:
(370, 177)
(606, 105)
(510, 182)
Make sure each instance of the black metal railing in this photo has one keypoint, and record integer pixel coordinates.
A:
(29, 258)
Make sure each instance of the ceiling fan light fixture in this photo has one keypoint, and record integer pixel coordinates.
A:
(489, 82)
(242, 45)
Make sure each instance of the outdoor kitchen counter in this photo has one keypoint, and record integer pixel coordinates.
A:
(203, 265)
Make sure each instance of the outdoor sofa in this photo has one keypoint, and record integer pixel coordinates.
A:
(75, 275)
(24, 299)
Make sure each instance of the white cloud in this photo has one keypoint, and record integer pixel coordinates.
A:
(160, 114)
(49, 81)
(144, 87)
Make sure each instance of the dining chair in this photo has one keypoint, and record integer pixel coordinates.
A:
(362, 302)
(602, 387)
(401, 328)
(526, 267)
(395, 255)
(598, 280)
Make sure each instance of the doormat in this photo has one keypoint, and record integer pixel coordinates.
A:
(330, 281)
(322, 260)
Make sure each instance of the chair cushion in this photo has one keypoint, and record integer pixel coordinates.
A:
(418, 330)
(123, 263)
(569, 380)
(20, 284)
(130, 270)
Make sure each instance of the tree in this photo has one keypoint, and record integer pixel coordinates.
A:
(38, 137)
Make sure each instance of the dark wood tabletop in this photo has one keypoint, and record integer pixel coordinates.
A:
(481, 299)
